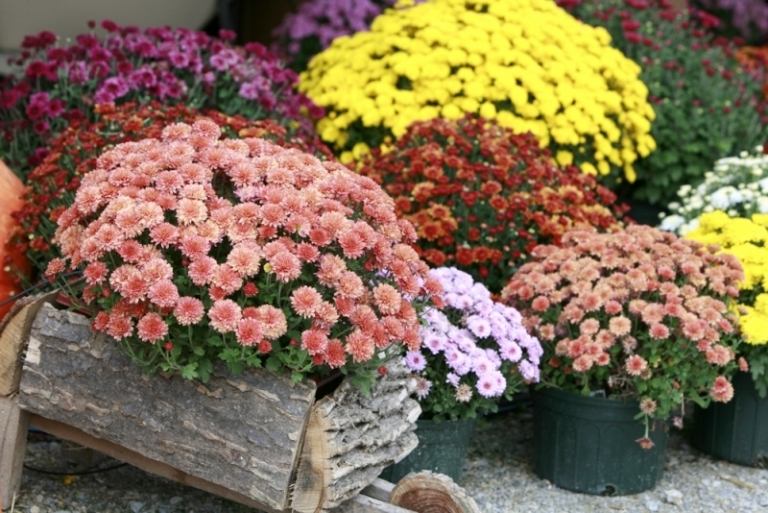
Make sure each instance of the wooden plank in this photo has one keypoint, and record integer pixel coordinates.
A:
(365, 504)
(380, 489)
(14, 333)
(157, 468)
(13, 443)
(243, 434)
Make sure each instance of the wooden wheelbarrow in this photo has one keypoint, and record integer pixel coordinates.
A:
(257, 439)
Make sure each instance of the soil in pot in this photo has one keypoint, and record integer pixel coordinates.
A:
(589, 444)
(736, 431)
(442, 448)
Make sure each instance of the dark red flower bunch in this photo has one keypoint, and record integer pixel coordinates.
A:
(53, 183)
(482, 197)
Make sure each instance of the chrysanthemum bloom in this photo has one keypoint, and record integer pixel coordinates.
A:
(472, 343)
(631, 313)
(240, 241)
(152, 328)
(188, 311)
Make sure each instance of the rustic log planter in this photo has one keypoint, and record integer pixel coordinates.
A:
(257, 438)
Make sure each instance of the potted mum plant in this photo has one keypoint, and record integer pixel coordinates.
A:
(633, 325)
(197, 250)
(54, 182)
(59, 81)
(481, 196)
(576, 93)
(474, 352)
(738, 431)
(707, 106)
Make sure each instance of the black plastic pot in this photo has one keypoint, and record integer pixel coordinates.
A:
(589, 444)
(736, 431)
(442, 448)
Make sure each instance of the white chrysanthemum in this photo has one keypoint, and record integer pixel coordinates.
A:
(737, 185)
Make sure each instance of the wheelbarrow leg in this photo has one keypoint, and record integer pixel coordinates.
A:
(13, 443)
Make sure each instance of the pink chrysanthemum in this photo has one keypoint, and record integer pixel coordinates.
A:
(249, 332)
(722, 390)
(314, 341)
(360, 346)
(306, 301)
(636, 365)
(224, 315)
(164, 294)
(201, 270)
(286, 266)
(620, 325)
(152, 328)
(387, 298)
(189, 311)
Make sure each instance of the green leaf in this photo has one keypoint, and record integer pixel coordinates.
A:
(189, 371)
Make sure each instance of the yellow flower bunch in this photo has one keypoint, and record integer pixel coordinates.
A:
(747, 240)
(528, 64)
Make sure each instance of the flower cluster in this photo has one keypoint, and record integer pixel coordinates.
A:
(474, 350)
(639, 314)
(749, 18)
(481, 197)
(526, 63)
(52, 184)
(747, 240)
(60, 81)
(737, 185)
(315, 24)
(198, 249)
(754, 59)
(706, 104)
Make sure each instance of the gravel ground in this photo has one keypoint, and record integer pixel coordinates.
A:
(497, 474)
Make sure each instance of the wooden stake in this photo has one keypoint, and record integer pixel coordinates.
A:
(13, 443)
(14, 334)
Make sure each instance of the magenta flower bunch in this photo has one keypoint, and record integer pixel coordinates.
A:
(315, 24)
(474, 350)
(60, 81)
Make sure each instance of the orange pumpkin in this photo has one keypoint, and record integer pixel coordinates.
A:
(13, 259)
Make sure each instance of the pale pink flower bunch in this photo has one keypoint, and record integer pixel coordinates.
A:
(198, 248)
(636, 313)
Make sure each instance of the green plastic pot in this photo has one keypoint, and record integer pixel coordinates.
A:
(442, 448)
(589, 444)
(736, 431)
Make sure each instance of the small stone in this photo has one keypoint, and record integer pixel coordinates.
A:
(136, 506)
(63, 511)
(652, 505)
(674, 497)
(175, 500)
(34, 509)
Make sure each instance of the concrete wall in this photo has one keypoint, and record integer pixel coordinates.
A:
(68, 17)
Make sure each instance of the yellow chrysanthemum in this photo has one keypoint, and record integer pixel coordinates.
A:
(747, 240)
(526, 63)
